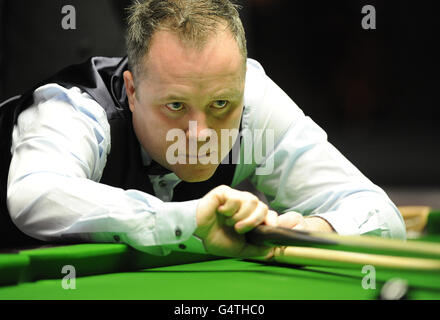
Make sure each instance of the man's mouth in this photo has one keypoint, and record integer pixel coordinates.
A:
(201, 156)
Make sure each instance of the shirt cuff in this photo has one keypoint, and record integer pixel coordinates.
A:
(193, 245)
(176, 222)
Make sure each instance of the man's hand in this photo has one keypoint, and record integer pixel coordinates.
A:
(296, 221)
(224, 215)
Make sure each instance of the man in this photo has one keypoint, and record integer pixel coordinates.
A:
(94, 155)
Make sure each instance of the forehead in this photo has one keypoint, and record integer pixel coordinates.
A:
(170, 59)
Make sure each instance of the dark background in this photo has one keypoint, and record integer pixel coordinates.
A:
(373, 91)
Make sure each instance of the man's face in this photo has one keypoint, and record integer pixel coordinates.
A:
(181, 87)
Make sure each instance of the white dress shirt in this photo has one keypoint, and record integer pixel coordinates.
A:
(60, 147)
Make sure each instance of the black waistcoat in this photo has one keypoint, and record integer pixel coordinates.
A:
(102, 78)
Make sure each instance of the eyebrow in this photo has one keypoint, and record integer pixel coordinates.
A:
(173, 97)
(232, 93)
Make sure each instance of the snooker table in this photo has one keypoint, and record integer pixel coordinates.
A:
(118, 272)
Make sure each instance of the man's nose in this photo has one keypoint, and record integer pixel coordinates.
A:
(198, 129)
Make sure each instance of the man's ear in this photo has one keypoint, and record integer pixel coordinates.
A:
(130, 88)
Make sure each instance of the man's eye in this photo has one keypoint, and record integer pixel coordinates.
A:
(175, 106)
(220, 104)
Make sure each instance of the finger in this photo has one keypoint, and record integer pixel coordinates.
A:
(256, 218)
(252, 251)
(215, 198)
(271, 219)
(230, 207)
(220, 194)
(290, 219)
(270, 254)
(248, 203)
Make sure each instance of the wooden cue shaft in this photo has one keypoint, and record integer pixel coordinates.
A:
(333, 258)
(372, 244)
(278, 236)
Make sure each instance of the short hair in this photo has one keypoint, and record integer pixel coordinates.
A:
(192, 20)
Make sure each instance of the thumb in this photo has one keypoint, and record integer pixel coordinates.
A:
(300, 226)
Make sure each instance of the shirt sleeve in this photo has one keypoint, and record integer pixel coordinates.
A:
(59, 151)
(297, 169)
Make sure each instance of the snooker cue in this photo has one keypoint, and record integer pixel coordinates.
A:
(278, 236)
(332, 258)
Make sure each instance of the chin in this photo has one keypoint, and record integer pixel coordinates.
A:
(197, 174)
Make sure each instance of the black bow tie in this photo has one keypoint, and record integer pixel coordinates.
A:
(155, 169)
